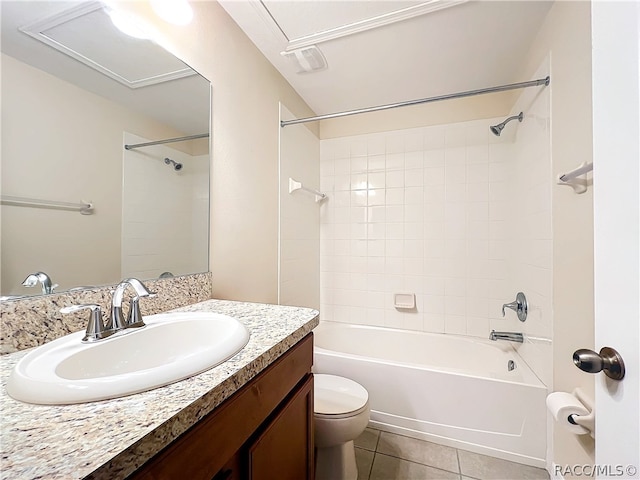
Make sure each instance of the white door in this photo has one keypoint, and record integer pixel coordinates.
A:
(616, 142)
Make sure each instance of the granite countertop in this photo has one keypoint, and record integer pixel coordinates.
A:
(111, 439)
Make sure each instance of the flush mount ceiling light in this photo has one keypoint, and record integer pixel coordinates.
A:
(126, 25)
(177, 12)
(306, 59)
(87, 32)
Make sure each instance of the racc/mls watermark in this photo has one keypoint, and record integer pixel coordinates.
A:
(596, 471)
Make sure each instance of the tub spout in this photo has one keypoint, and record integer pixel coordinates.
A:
(510, 336)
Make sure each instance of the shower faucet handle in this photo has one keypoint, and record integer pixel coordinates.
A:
(519, 305)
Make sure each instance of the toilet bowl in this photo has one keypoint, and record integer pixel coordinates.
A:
(341, 413)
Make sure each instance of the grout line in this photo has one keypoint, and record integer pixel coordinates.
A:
(371, 466)
(375, 449)
(459, 466)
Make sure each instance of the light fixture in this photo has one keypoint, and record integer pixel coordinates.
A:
(126, 25)
(306, 59)
(177, 12)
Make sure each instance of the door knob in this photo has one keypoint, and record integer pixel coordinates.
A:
(608, 361)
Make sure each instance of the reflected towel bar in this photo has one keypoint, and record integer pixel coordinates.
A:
(293, 186)
(85, 208)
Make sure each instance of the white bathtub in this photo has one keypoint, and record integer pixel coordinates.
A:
(448, 389)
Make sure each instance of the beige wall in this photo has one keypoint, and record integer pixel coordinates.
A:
(60, 142)
(566, 36)
(244, 181)
(299, 216)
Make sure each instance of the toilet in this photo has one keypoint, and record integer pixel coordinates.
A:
(341, 413)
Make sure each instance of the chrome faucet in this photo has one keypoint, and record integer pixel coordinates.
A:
(510, 336)
(33, 279)
(134, 318)
(96, 328)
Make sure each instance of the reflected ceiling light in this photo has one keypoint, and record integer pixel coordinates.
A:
(126, 25)
(178, 12)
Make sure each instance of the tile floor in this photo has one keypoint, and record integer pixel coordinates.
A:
(387, 456)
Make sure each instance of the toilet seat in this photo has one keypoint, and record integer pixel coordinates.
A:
(338, 397)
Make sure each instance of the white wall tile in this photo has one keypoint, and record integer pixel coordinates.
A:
(394, 161)
(455, 324)
(376, 180)
(376, 163)
(430, 211)
(358, 148)
(395, 179)
(414, 159)
(376, 145)
(358, 164)
(394, 196)
(413, 177)
(342, 166)
(394, 143)
(434, 194)
(413, 142)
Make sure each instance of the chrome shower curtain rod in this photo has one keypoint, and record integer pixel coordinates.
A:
(470, 93)
(168, 140)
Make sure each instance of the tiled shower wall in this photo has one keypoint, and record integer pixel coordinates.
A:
(428, 211)
(165, 227)
(421, 211)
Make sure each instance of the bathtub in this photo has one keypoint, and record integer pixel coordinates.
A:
(453, 390)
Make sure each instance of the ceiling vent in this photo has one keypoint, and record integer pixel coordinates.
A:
(306, 59)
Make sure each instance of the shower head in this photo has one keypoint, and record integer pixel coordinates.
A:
(497, 129)
(176, 166)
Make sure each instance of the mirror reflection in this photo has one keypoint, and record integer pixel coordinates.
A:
(77, 206)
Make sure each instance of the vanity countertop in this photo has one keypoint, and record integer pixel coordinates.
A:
(111, 439)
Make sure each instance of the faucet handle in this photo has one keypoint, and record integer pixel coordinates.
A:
(134, 318)
(513, 306)
(519, 305)
(95, 326)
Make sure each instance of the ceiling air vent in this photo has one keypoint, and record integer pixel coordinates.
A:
(306, 59)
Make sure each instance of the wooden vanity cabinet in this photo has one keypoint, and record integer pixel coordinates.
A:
(263, 431)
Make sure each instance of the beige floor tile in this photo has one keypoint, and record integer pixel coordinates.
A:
(368, 439)
(418, 451)
(392, 468)
(364, 460)
(490, 468)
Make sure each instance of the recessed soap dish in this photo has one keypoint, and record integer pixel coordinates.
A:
(404, 300)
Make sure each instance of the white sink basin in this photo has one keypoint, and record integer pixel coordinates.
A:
(172, 347)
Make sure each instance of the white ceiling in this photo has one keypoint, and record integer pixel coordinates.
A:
(392, 51)
(77, 42)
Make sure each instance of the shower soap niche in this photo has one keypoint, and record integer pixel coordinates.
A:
(404, 300)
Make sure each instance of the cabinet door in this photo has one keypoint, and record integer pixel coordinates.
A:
(284, 449)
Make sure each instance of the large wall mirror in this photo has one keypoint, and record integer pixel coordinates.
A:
(76, 204)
